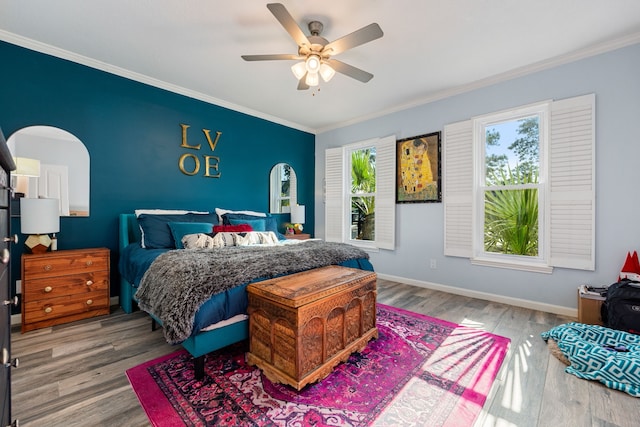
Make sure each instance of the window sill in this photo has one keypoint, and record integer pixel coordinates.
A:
(368, 247)
(513, 265)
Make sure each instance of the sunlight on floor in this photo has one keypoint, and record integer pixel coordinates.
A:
(513, 380)
(472, 324)
(491, 421)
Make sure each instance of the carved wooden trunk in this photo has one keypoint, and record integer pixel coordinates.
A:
(302, 325)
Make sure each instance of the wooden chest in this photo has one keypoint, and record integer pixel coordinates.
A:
(302, 325)
(63, 286)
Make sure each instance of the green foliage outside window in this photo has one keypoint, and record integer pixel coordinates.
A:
(511, 214)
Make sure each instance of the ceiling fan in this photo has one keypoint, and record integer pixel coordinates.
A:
(315, 53)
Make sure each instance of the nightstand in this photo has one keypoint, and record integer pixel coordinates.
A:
(64, 286)
(301, 236)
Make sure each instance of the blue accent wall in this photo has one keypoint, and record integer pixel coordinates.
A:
(133, 135)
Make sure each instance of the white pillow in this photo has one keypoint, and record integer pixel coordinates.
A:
(139, 212)
(221, 212)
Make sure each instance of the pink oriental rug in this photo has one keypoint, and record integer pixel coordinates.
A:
(421, 371)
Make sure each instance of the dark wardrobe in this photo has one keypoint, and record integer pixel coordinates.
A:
(6, 302)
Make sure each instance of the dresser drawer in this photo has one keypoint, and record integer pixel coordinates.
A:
(67, 262)
(53, 308)
(81, 283)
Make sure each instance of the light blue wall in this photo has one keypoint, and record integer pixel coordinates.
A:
(615, 79)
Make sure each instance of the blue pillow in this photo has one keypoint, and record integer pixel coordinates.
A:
(257, 223)
(270, 222)
(180, 229)
(155, 228)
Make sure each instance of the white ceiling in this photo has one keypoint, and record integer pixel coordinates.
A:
(430, 48)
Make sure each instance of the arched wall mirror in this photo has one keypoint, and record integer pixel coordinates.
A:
(283, 188)
(51, 163)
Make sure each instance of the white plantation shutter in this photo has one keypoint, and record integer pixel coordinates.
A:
(335, 195)
(457, 189)
(571, 207)
(386, 192)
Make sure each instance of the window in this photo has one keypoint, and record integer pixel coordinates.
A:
(360, 193)
(519, 187)
(510, 189)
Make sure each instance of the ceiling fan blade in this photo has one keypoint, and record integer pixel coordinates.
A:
(302, 83)
(350, 70)
(274, 57)
(357, 38)
(286, 20)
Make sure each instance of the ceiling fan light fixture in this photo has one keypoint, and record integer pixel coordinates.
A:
(313, 63)
(312, 79)
(326, 72)
(299, 69)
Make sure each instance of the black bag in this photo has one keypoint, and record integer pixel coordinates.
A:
(621, 308)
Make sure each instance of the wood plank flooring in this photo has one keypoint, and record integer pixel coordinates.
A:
(73, 375)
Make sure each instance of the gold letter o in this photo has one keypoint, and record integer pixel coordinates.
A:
(181, 164)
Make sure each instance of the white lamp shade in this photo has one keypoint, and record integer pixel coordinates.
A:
(326, 72)
(312, 79)
(313, 63)
(299, 69)
(26, 166)
(39, 216)
(297, 214)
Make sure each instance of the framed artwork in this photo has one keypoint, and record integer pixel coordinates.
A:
(418, 169)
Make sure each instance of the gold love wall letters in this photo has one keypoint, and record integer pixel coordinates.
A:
(189, 163)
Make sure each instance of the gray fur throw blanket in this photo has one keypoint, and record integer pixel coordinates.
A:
(178, 282)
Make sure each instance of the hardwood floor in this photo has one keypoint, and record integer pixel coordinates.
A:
(73, 375)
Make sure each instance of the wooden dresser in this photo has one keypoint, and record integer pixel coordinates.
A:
(63, 286)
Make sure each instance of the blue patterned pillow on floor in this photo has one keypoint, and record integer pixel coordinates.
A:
(602, 354)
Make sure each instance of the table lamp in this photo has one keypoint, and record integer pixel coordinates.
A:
(297, 217)
(38, 218)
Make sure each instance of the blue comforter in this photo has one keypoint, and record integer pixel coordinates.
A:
(135, 260)
(602, 354)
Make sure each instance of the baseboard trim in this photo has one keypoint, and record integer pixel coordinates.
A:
(518, 302)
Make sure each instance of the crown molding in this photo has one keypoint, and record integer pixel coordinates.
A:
(587, 52)
(141, 78)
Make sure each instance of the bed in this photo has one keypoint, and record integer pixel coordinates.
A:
(220, 320)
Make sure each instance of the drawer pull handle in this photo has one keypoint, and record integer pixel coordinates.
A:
(89, 263)
(13, 239)
(47, 267)
(48, 310)
(89, 301)
(14, 363)
(89, 282)
(48, 289)
(12, 301)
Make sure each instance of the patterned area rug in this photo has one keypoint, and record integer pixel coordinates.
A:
(421, 371)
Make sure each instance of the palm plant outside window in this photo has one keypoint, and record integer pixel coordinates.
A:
(363, 193)
(512, 187)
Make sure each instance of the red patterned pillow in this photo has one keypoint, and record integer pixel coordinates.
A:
(240, 228)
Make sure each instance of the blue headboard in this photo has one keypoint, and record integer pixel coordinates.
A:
(129, 231)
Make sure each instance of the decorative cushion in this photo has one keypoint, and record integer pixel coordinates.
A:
(221, 212)
(156, 233)
(220, 240)
(240, 228)
(139, 212)
(180, 229)
(255, 224)
(271, 223)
